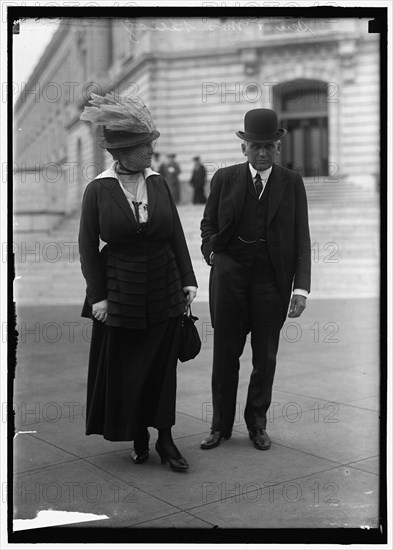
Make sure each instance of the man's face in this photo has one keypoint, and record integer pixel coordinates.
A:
(261, 155)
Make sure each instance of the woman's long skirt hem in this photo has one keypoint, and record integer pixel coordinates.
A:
(132, 379)
(123, 437)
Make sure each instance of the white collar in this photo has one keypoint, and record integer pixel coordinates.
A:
(111, 172)
(263, 173)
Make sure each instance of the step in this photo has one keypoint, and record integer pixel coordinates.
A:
(343, 271)
(353, 225)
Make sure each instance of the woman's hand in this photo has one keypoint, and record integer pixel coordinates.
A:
(100, 310)
(190, 292)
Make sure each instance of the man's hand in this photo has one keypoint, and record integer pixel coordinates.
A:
(298, 305)
(100, 310)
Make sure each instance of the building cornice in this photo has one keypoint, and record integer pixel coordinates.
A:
(266, 42)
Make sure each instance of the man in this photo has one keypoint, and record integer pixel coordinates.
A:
(170, 171)
(255, 235)
(155, 162)
(197, 181)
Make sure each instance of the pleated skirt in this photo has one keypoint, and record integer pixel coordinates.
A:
(132, 379)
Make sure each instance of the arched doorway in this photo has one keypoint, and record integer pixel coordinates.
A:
(302, 108)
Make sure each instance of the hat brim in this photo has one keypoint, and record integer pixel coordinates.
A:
(281, 132)
(129, 141)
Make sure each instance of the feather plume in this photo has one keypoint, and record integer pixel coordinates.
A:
(119, 113)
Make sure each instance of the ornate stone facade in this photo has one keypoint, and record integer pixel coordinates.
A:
(198, 78)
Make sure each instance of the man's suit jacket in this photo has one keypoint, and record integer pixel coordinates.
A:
(287, 231)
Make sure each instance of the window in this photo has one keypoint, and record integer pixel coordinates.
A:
(82, 53)
(79, 176)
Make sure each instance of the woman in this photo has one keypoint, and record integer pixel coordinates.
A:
(138, 285)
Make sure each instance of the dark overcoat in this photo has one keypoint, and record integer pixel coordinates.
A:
(287, 230)
(141, 273)
(198, 177)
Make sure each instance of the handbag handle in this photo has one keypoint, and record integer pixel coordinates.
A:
(188, 313)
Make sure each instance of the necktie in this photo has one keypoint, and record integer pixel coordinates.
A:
(258, 184)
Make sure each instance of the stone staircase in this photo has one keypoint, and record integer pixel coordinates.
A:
(344, 224)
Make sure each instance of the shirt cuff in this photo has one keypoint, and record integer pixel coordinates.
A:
(300, 292)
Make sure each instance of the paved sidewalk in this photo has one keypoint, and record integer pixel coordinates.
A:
(322, 470)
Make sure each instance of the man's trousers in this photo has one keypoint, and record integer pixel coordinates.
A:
(244, 298)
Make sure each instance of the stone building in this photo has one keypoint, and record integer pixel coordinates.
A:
(198, 78)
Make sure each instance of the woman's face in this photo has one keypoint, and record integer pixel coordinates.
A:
(137, 158)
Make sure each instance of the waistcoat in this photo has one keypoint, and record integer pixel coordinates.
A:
(251, 226)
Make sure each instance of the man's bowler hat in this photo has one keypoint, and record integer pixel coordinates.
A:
(261, 126)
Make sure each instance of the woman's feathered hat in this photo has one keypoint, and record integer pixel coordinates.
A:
(126, 121)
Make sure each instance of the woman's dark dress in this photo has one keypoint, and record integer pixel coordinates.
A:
(133, 355)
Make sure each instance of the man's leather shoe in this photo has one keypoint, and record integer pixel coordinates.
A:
(260, 439)
(213, 439)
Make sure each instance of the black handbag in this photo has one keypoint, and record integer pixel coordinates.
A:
(190, 342)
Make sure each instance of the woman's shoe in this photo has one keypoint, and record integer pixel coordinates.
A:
(179, 464)
(140, 452)
(138, 458)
